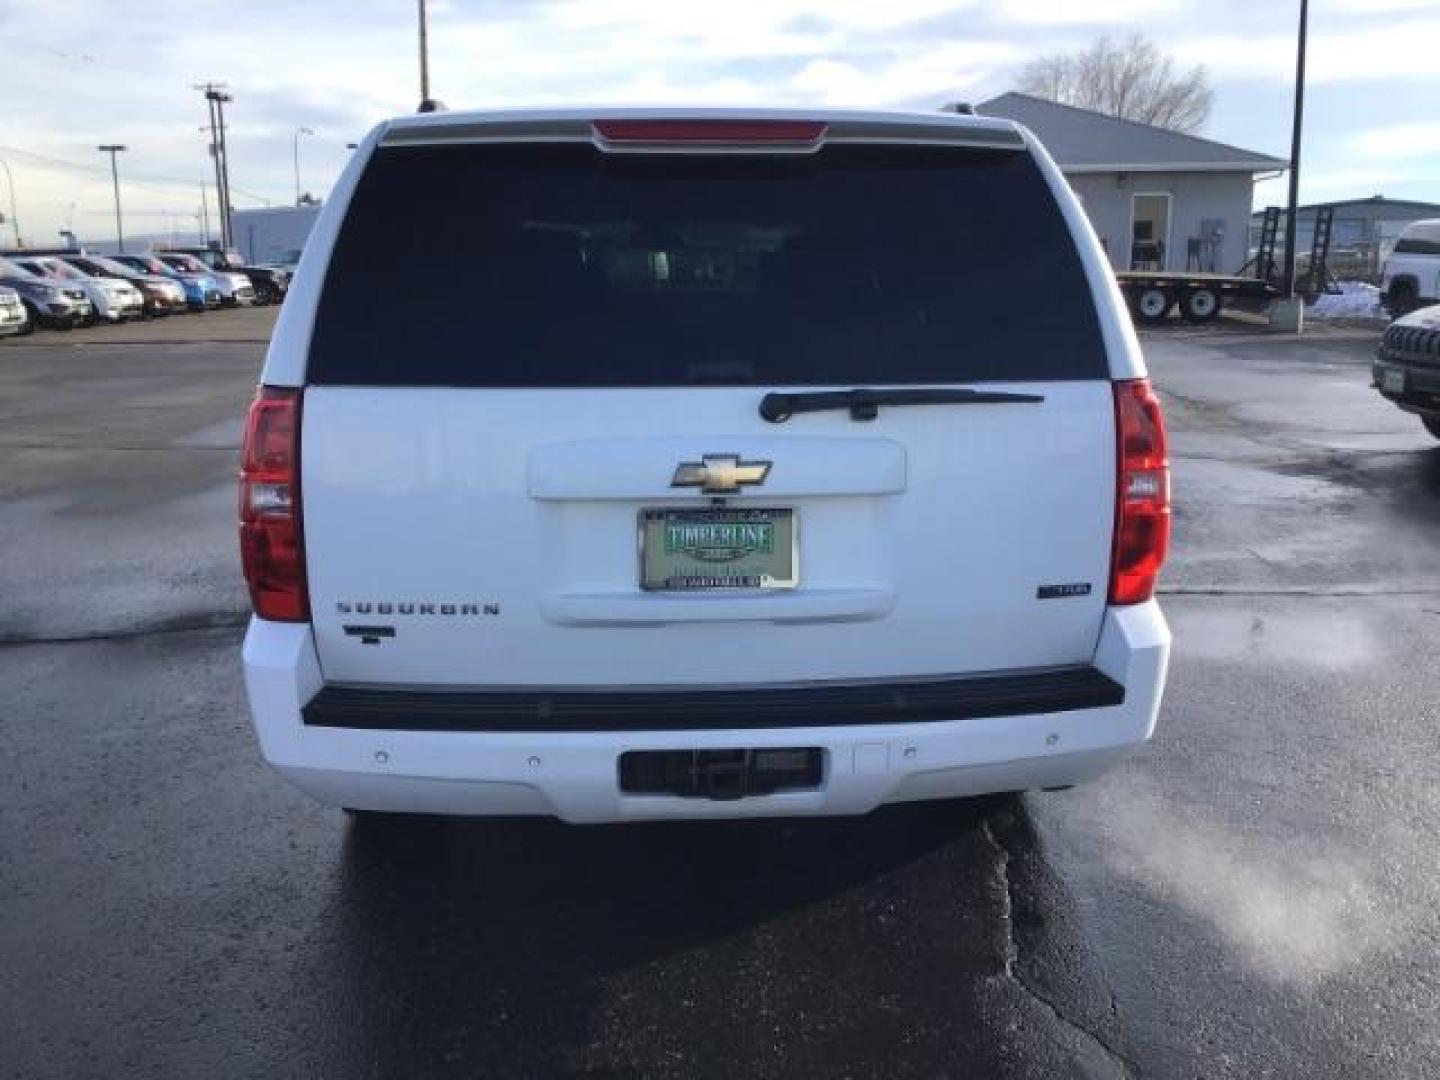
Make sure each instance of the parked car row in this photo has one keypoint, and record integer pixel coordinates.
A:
(62, 289)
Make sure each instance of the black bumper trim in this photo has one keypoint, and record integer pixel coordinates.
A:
(817, 705)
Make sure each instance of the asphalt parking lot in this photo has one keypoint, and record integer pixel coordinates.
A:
(1252, 895)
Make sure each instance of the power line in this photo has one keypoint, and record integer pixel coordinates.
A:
(99, 171)
(159, 183)
(251, 195)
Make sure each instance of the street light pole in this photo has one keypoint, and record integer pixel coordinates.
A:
(298, 132)
(112, 149)
(14, 220)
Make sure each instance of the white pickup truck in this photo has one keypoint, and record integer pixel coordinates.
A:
(1410, 278)
(722, 466)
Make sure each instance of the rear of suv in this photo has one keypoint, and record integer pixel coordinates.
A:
(725, 466)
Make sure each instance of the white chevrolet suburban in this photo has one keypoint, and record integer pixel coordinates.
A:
(725, 465)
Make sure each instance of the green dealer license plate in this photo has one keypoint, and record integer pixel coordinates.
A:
(685, 550)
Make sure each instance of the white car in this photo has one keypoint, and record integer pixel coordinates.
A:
(723, 466)
(13, 317)
(1410, 278)
(114, 300)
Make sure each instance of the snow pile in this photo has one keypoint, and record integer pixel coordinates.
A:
(1355, 300)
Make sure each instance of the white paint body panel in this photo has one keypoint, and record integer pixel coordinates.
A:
(573, 776)
(922, 540)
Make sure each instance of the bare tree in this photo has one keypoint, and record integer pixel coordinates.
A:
(1130, 79)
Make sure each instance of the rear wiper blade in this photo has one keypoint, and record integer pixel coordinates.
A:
(865, 404)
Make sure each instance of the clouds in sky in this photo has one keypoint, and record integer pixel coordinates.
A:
(90, 71)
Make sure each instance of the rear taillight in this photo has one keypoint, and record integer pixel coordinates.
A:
(271, 548)
(1142, 493)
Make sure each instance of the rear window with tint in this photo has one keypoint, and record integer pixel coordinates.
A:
(560, 265)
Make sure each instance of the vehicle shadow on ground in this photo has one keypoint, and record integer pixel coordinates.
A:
(686, 948)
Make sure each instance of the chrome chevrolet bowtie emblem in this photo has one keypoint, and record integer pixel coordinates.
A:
(720, 474)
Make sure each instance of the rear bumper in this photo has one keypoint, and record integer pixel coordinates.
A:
(789, 707)
(573, 774)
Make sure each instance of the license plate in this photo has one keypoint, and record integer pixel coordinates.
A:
(723, 548)
(1394, 381)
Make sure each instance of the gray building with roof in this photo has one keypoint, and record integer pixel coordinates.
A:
(1158, 199)
(1362, 231)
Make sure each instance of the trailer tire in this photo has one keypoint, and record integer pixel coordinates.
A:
(1153, 303)
(1199, 305)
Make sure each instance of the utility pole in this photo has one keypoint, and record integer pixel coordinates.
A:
(424, 59)
(298, 132)
(215, 157)
(1290, 211)
(112, 149)
(226, 207)
(215, 98)
(427, 103)
(1287, 313)
(204, 218)
(14, 218)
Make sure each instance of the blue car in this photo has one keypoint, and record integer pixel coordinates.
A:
(202, 291)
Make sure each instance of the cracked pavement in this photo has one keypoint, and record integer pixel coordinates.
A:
(1252, 895)
(1260, 879)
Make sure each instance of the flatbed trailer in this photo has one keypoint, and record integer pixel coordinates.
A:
(1152, 295)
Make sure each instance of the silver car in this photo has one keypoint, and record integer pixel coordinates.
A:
(50, 303)
(114, 300)
(13, 319)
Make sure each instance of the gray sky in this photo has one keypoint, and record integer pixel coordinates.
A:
(83, 72)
